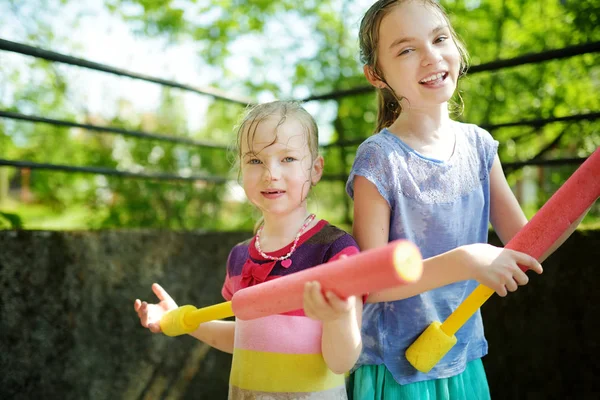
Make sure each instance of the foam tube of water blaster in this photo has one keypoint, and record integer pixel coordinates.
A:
(397, 263)
(555, 218)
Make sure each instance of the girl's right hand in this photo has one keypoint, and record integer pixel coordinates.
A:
(498, 268)
(151, 314)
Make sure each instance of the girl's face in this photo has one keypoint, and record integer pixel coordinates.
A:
(277, 167)
(417, 55)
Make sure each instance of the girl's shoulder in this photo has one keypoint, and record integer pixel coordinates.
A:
(329, 234)
(475, 144)
(241, 249)
(382, 139)
(472, 132)
(333, 237)
(378, 149)
(243, 244)
(335, 242)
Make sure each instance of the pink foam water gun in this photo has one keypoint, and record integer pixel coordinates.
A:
(573, 198)
(397, 263)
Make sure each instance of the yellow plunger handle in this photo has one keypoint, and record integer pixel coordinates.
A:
(466, 309)
(186, 319)
(438, 338)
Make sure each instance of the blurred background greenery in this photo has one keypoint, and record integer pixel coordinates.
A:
(259, 50)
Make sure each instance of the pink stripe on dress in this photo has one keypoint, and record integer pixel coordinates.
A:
(279, 334)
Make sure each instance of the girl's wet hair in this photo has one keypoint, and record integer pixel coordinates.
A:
(389, 108)
(282, 110)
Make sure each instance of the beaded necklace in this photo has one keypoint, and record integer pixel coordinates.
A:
(288, 255)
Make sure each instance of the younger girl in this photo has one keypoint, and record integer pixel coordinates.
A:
(304, 353)
(436, 182)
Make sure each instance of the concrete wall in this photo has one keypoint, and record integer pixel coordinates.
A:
(543, 339)
(68, 329)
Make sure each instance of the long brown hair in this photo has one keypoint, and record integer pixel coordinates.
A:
(388, 104)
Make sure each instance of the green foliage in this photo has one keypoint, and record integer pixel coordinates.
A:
(295, 49)
(10, 221)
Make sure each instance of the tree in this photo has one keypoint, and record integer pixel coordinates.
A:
(285, 49)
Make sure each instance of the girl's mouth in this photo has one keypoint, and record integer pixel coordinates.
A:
(434, 79)
(272, 194)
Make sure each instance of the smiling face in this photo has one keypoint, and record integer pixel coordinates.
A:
(417, 55)
(277, 166)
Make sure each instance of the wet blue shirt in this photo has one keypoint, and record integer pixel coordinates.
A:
(438, 205)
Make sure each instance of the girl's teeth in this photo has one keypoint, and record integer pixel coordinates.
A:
(433, 77)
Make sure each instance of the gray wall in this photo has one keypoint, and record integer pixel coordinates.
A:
(68, 329)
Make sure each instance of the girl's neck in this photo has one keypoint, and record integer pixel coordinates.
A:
(280, 230)
(426, 131)
(424, 125)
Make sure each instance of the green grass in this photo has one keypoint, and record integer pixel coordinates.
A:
(40, 217)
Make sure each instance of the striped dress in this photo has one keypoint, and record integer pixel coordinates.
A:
(279, 356)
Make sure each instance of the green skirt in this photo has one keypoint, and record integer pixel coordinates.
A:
(375, 382)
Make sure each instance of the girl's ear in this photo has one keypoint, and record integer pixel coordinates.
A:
(372, 77)
(317, 170)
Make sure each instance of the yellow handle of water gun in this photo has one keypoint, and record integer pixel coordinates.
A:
(466, 309)
(186, 319)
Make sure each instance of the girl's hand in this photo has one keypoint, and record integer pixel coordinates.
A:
(328, 307)
(151, 314)
(498, 268)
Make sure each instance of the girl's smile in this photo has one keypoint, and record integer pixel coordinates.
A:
(434, 80)
(273, 193)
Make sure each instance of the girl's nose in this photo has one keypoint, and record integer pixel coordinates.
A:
(271, 173)
(431, 55)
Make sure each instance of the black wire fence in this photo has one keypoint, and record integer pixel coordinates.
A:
(32, 51)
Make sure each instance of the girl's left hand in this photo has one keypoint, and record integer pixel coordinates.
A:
(328, 307)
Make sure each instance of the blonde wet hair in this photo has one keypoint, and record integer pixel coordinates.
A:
(283, 110)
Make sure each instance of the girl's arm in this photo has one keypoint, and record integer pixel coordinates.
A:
(341, 343)
(494, 267)
(371, 230)
(218, 334)
(506, 215)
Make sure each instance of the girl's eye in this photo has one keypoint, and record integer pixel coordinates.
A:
(441, 39)
(289, 159)
(405, 51)
(254, 161)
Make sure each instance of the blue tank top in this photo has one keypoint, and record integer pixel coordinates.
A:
(438, 205)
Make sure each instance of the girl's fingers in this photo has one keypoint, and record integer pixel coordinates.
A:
(136, 304)
(336, 303)
(521, 277)
(324, 307)
(142, 308)
(511, 285)
(317, 297)
(502, 292)
(308, 300)
(161, 293)
(527, 261)
(154, 327)
(143, 314)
